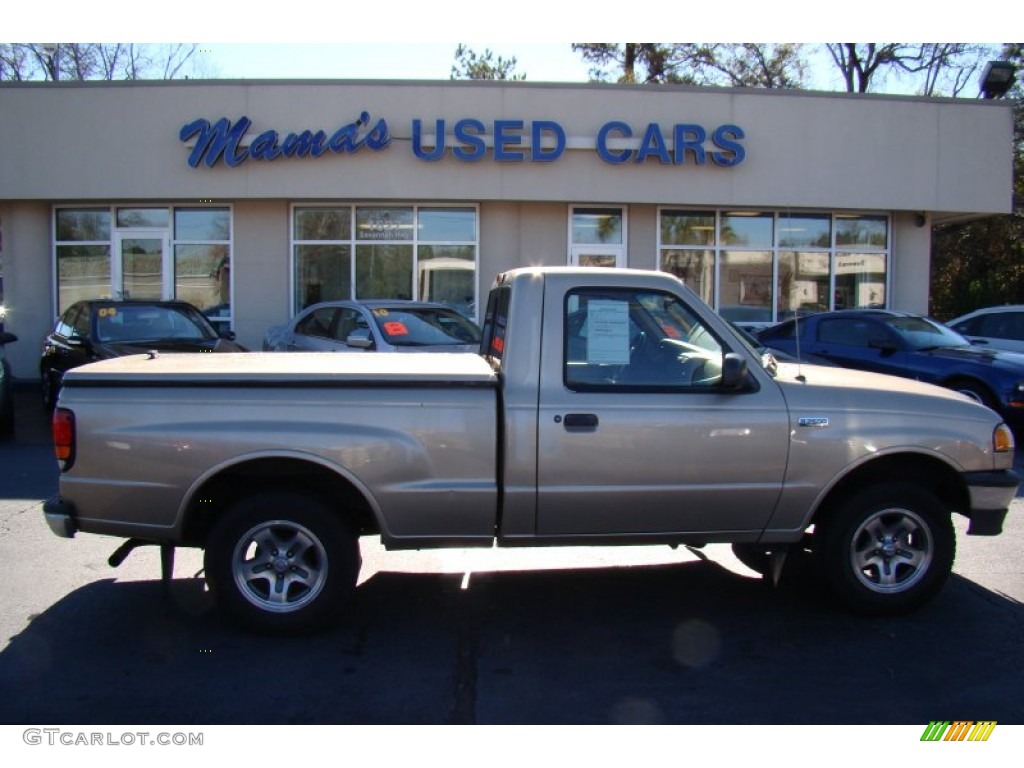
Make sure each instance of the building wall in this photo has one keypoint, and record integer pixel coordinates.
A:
(106, 143)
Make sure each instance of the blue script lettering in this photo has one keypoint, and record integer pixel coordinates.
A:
(222, 140)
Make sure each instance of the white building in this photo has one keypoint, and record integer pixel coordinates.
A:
(253, 199)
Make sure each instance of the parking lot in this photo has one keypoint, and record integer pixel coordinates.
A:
(579, 636)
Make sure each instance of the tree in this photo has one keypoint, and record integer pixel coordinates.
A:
(981, 263)
(94, 61)
(471, 66)
(741, 65)
(940, 69)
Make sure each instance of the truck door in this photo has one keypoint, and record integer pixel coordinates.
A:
(636, 435)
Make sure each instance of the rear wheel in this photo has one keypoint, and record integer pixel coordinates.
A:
(282, 563)
(888, 549)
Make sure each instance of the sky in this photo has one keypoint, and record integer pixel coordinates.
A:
(412, 39)
(352, 60)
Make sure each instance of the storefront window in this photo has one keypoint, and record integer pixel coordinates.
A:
(803, 284)
(592, 226)
(862, 232)
(323, 223)
(146, 252)
(745, 294)
(696, 268)
(83, 255)
(83, 272)
(149, 218)
(83, 225)
(425, 253)
(687, 228)
(383, 271)
(805, 231)
(762, 267)
(860, 281)
(747, 230)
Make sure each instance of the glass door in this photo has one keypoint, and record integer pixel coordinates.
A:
(142, 265)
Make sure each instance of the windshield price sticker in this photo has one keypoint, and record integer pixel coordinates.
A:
(107, 312)
(395, 328)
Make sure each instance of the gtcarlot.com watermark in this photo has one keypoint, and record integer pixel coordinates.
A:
(61, 737)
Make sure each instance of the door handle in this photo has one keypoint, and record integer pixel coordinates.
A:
(580, 421)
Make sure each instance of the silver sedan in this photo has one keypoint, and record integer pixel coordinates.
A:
(380, 326)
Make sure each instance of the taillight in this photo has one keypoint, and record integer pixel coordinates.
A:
(64, 437)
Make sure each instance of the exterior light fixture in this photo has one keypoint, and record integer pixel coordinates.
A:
(997, 79)
(51, 50)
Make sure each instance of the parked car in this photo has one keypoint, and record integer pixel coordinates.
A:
(911, 346)
(6, 387)
(380, 326)
(99, 329)
(999, 327)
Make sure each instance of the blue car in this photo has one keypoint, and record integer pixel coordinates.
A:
(915, 347)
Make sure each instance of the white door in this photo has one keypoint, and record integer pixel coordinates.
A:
(142, 267)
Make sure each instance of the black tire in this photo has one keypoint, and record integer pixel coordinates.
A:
(282, 562)
(51, 390)
(887, 550)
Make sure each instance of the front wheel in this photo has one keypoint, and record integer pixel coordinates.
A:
(888, 549)
(282, 563)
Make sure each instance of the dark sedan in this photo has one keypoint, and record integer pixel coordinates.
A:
(910, 346)
(99, 329)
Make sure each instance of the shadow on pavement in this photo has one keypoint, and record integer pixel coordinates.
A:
(691, 643)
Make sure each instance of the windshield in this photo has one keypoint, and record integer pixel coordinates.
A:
(425, 327)
(920, 333)
(128, 323)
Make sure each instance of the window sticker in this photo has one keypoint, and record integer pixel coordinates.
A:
(107, 312)
(395, 328)
(380, 313)
(608, 332)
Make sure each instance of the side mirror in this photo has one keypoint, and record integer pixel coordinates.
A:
(360, 339)
(7, 338)
(229, 335)
(734, 372)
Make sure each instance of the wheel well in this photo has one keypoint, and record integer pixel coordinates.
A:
(261, 475)
(977, 384)
(932, 474)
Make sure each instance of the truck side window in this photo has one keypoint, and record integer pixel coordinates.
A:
(624, 339)
(492, 344)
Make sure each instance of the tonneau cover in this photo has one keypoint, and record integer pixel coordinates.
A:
(294, 368)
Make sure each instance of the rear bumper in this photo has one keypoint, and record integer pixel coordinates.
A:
(60, 516)
(991, 494)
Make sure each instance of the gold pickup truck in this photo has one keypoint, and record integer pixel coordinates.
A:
(604, 407)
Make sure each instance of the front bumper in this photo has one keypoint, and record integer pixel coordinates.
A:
(60, 516)
(991, 494)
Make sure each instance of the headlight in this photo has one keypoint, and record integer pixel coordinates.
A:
(1002, 439)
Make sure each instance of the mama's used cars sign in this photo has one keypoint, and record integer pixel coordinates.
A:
(468, 140)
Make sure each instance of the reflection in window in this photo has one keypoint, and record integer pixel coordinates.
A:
(860, 281)
(202, 224)
(768, 266)
(746, 290)
(696, 268)
(687, 228)
(383, 271)
(803, 285)
(597, 226)
(143, 218)
(83, 272)
(862, 231)
(749, 230)
(407, 252)
(202, 277)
